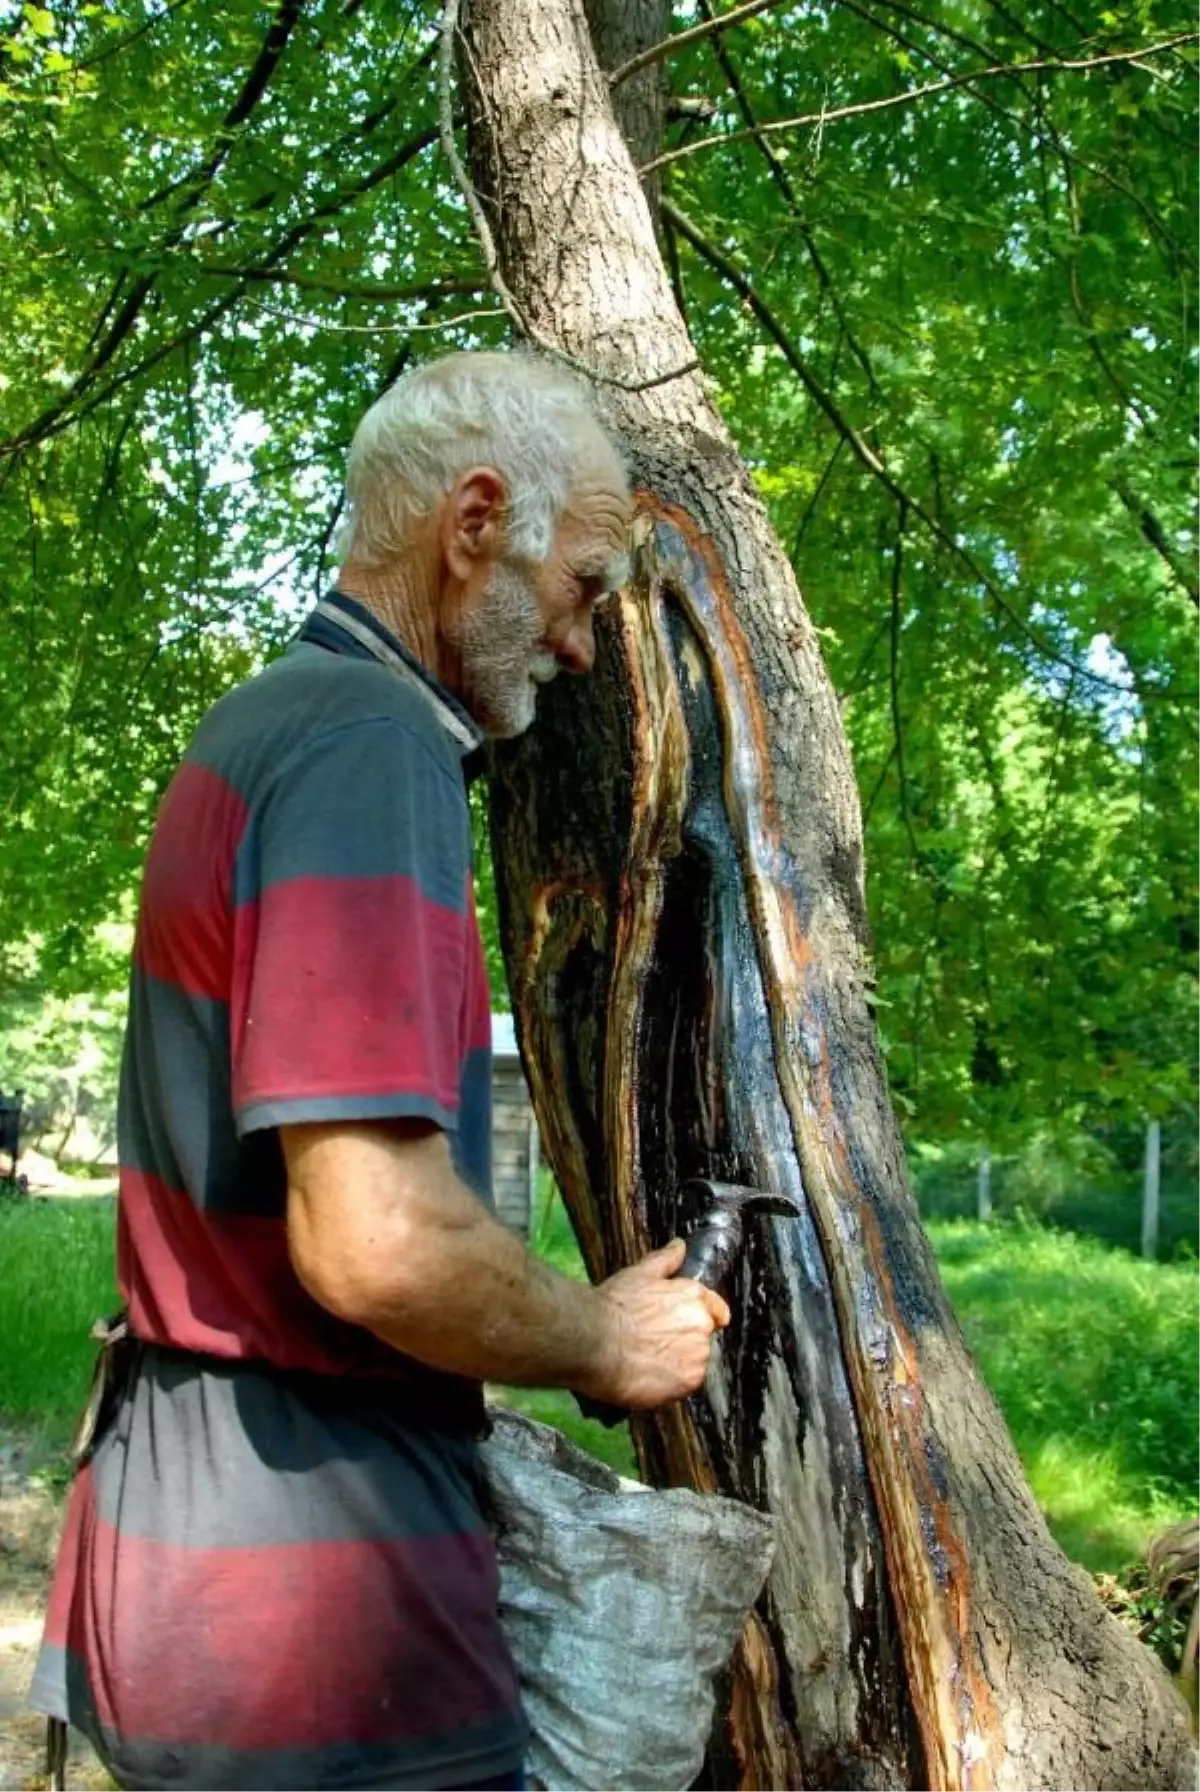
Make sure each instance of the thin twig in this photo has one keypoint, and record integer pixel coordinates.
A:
(738, 280)
(878, 785)
(858, 681)
(668, 45)
(326, 536)
(390, 374)
(1182, 571)
(811, 506)
(831, 115)
(1069, 157)
(487, 241)
(123, 43)
(320, 323)
(671, 257)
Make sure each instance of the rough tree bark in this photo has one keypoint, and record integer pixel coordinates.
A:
(680, 870)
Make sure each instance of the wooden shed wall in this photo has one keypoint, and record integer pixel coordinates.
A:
(514, 1146)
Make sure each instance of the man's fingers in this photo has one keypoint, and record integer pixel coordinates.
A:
(664, 1262)
(718, 1308)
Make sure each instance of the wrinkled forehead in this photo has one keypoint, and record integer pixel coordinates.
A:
(595, 524)
(609, 567)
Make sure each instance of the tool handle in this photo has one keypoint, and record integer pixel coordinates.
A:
(712, 1249)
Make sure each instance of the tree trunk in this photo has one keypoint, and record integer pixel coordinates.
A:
(680, 874)
(620, 29)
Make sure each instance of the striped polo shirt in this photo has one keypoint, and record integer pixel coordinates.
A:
(275, 1570)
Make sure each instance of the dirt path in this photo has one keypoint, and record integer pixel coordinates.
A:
(30, 1519)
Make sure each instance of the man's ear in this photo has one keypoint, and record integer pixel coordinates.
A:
(473, 523)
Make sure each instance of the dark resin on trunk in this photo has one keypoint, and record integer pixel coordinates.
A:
(708, 1104)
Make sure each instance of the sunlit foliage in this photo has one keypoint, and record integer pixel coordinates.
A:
(954, 337)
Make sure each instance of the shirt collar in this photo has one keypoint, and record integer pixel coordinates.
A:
(342, 625)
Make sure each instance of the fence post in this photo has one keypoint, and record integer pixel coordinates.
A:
(983, 1186)
(1150, 1190)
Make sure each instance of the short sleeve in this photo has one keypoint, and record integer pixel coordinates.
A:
(351, 935)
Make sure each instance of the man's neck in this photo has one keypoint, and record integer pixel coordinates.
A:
(396, 596)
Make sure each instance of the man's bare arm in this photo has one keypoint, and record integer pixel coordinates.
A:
(383, 1233)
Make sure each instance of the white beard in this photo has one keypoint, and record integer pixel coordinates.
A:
(499, 653)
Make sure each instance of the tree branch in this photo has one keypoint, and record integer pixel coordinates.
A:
(397, 329)
(370, 292)
(681, 39)
(872, 461)
(195, 184)
(255, 84)
(830, 115)
(1156, 535)
(252, 90)
(333, 151)
(775, 329)
(1149, 524)
(69, 410)
(780, 177)
(1078, 304)
(1051, 136)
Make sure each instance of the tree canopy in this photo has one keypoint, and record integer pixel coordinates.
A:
(939, 265)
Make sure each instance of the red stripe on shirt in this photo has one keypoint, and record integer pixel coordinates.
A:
(347, 986)
(223, 1285)
(292, 1646)
(184, 931)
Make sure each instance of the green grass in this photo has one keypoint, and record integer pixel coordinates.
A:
(56, 1278)
(1091, 1353)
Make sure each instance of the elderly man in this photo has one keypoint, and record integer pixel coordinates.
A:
(276, 1570)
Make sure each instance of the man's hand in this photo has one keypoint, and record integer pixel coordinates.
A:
(660, 1328)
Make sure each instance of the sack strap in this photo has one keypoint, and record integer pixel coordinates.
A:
(114, 1360)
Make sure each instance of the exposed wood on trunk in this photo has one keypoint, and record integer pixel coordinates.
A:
(680, 871)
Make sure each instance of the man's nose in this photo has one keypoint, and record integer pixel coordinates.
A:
(578, 650)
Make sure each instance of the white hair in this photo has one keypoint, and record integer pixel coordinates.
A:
(524, 415)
